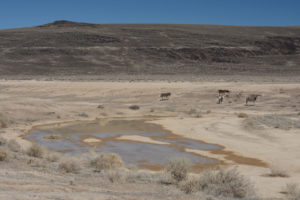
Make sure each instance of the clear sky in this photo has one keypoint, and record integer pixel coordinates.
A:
(24, 13)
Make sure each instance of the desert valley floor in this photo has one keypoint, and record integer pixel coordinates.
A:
(255, 138)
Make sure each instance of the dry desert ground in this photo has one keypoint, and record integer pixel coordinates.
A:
(257, 139)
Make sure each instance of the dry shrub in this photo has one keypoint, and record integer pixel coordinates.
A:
(226, 183)
(35, 151)
(292, 191)
(83, 115)
(3, 141)
(178, 168)
(134, 107)
(208, 111)
(242, 115)
(249, 123)
(4, 154)
(53, 156)
(276, 172)
(115, 176)
(189, 186)
(198, 116)
(13, 145)
(107, 161)
(35, 162)
(142, 176)
(69, 166)
(192, 111)
(3, 124)
(104, 114)
(100, 106)
(165, 177)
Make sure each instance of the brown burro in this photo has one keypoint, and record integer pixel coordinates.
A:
(223, 92)
(165, 96)
(252, 98)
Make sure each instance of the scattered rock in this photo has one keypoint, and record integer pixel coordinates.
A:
(100, 107)
(83, 115)
(134, 107)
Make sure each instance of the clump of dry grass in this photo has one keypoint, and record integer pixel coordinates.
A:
(115, 176)
(165, 177)
(4, 154)
(198, 116)
(104, 114)
(292, 191)
(83, 115)
(69, 166)
(134, 107)
(143, 176)
(249, 123)
(3, 124)
(3, 141)
(226, 183)
(13, 145)
(100, 106)
(208, 111)
(106, 161)
(36, 162)
(53, 156)
(189, 186)
(192, 111)
(35, 151)
(178, 168)
(242, 115)
(276, 172)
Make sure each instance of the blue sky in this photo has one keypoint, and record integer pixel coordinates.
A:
(24, 13)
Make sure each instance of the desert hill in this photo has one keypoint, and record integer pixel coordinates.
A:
(65, 48)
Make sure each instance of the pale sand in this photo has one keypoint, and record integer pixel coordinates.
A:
(28, 103)
(138, 138)
(92, 140)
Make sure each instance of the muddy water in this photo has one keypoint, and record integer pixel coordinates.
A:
(149, 145)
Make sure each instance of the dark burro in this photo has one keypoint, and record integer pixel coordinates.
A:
(65, 48)
(165, 96)
(252, 98)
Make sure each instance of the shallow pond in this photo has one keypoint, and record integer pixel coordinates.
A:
(138, 142)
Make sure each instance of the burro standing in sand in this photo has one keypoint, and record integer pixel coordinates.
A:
(165, 96)
(222, 95)
(252, 98)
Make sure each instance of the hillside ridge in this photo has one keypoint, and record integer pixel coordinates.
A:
(66, 48)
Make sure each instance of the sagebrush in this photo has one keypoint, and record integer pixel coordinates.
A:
(276, 172)
(178, 168)
(13, 145)
(189, 186)
(106, 161)
(53, 156)
(292, 191)
(69, 166)
(4, 154)
(35, 151)
(226, 183)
